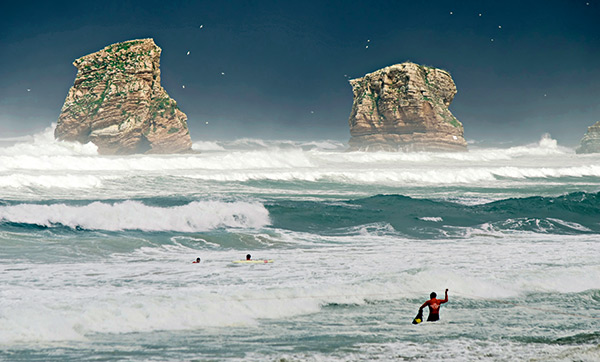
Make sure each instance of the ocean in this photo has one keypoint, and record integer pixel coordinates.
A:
(96, 253)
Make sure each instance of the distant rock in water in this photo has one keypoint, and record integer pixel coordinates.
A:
(590, 143)
(404, 107)
(117, 103)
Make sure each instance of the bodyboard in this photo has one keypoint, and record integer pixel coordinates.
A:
(419, 318)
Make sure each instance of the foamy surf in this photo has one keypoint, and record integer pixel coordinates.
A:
(51, 181)
(96, 252)
(157, 289)
(134, 215)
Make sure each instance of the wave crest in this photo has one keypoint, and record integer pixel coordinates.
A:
(196, 216)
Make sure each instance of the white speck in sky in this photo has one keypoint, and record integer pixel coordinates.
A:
(491, 39)
(29, 90)
(183, 86)
(222, 73)
(545, 95)
(206, 122)
(188, 53)
(367, 47)
(201, 26)
(588, 4)
(368, 40)
(499, 26)
(479, 14)
(312, 112)
(451, 13)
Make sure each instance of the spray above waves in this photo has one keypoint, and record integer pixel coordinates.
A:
(43, 144)
(45, 166)
(248, 144)
(246, 153)
(196, 216)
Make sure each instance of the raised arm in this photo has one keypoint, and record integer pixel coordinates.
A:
(445, 299)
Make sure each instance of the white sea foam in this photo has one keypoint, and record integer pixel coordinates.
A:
(133, 215)
(571, 225)
(287, 166)
(546, 146)
(93, 286)
(400, 176)
(51, 181)
(248, 144)
(251, 159)
(119, 298)
(464, 349)
(44, 144)
(324, 145)
(431, 218)
(157, 288)
(49, 316)
(207, 146)
(219, 161)
(27, 138)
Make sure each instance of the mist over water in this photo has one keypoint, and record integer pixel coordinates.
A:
(96, 252)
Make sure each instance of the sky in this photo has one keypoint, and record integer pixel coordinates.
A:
(280, 69)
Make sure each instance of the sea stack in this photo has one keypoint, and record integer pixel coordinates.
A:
(404, 107)
(590, 143)
(117, 103)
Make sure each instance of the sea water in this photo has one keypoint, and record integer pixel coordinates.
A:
(96, 253)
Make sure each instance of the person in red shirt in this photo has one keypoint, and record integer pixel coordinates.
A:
(434, 306)
(197, 261)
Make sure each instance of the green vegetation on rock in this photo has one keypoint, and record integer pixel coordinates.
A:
(119, 86)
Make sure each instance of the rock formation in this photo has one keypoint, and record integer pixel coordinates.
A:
(404, 107)
(117, 103)
(590, 143)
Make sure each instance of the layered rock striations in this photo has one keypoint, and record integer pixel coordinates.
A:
(404, 107)
(590, 143)
(117, 103)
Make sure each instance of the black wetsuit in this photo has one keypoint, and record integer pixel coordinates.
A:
(432, 317)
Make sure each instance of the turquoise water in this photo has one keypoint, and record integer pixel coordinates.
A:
(96, 253)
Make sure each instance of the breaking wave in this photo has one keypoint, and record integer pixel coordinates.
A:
(574, 213)
(134, 215)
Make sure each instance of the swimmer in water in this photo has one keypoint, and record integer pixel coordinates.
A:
(434, 306)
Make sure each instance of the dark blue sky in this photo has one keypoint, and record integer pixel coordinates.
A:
(287, 63)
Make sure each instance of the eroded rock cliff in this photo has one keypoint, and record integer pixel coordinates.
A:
(117, 103)
(404, 107)
(590, 143)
